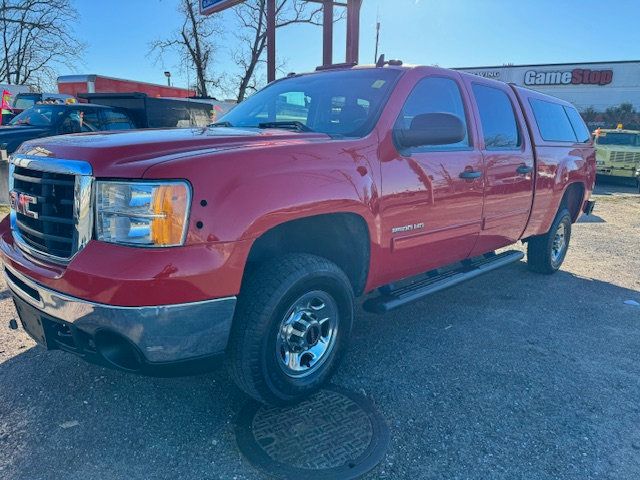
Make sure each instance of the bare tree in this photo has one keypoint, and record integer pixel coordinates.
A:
(252, 18)
(36, 37)
(194, 42)
(624, 113)
(589, 115)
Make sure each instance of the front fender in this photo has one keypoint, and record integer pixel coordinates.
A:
(240, 195)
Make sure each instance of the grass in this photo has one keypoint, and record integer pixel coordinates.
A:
(4, 210)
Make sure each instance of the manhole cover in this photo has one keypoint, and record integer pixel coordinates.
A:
(335, 434)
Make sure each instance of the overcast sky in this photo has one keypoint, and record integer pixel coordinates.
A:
(449, 33)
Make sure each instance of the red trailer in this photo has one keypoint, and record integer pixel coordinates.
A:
(76, 84)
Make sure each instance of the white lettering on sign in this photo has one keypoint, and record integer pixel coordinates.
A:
(577, 76)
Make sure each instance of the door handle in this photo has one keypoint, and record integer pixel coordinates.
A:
(470, 175)
(524, 169)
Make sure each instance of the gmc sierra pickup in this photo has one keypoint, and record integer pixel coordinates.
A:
(158, 251)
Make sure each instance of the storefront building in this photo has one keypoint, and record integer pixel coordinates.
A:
(598, 86)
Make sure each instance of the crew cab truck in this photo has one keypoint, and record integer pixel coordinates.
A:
(158, 251)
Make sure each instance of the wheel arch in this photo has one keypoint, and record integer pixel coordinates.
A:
(573, 198)
(343, 238)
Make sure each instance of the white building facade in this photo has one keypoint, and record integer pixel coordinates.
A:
(599, 85)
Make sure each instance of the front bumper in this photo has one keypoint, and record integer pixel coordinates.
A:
(611, 171)
(142, 339)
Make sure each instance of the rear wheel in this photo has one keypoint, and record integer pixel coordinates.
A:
(546, 253)
(291, 327)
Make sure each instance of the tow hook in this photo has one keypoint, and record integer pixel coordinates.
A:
(13, 325)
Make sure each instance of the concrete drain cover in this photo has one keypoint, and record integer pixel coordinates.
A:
(335, 434)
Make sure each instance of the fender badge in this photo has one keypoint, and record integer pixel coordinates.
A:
(408, 228)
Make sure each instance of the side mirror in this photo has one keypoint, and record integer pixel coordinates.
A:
(431, 129)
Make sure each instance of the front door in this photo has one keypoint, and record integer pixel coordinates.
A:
(433, 195)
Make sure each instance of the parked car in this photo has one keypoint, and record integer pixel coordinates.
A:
(618, 154)
(52, 119)
(162, 250)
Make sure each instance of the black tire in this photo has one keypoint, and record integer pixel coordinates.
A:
(541, 256)
(267, 296)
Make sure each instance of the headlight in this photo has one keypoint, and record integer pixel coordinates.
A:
(146, 214)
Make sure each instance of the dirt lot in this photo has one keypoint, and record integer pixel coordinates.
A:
(511, 376)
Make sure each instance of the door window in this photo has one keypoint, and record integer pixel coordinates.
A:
(89, 120)
(579, 127)
(499, 125)
(435, 95)
(115, 120)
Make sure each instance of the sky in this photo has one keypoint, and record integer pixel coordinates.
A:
(448, 33)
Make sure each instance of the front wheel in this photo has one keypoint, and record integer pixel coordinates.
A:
(291, 327)
(546, 253)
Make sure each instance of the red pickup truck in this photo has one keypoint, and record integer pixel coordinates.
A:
(159, 251)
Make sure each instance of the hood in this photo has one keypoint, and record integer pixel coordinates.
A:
(128, 154)
(13, 136)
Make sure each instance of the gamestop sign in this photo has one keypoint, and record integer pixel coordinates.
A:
(577, 76)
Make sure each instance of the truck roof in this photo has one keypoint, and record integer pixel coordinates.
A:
(528, 92)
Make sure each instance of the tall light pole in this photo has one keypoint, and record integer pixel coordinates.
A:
(168, 75)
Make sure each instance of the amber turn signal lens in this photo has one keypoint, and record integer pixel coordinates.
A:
(169, 206)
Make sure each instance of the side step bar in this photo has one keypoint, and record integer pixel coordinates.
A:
(436, 280)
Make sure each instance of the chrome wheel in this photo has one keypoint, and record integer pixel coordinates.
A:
(559, 244)
(307, 334)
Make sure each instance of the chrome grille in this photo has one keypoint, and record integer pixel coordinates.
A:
(625, 157)
(50, 206)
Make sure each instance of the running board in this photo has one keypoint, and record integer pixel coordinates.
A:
(437, 280)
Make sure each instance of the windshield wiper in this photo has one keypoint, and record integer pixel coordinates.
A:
(221, 124)
(289, 125)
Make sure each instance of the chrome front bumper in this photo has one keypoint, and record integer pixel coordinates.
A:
(162, 334)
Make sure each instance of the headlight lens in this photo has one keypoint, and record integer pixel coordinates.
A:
(146, 214)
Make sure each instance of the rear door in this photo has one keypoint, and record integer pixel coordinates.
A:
(508, 165)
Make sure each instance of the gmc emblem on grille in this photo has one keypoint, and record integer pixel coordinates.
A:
(20, 202)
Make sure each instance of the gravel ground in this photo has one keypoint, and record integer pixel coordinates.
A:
(510, 376)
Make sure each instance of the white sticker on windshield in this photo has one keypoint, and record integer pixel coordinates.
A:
(378, 84)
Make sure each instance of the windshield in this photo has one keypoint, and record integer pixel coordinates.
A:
(40, 115)
(341, 103)
(22, 103)
(624, 139)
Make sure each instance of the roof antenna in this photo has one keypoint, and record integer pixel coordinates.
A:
(381, 61)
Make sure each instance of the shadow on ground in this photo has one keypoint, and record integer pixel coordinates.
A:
(513, 375)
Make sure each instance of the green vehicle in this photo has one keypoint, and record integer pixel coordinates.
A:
(618, 154)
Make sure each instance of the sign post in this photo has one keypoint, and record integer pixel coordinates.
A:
(353, 29)
(208, 7)
(271, 40)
